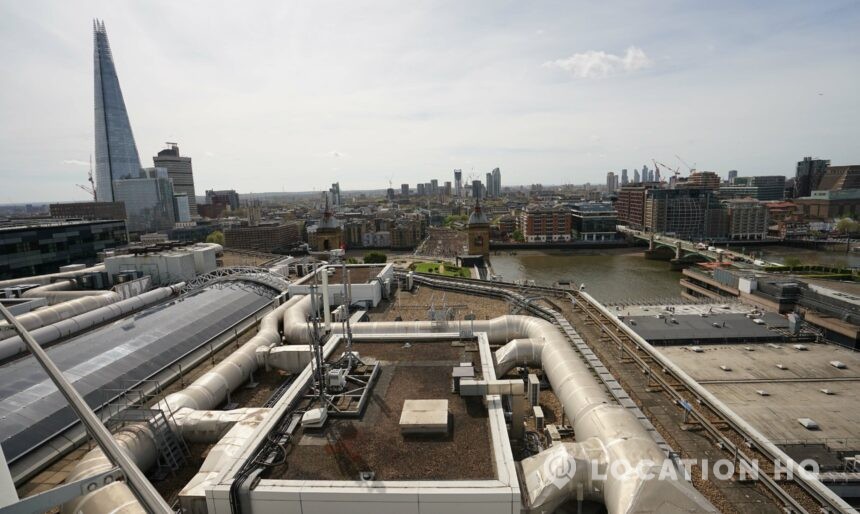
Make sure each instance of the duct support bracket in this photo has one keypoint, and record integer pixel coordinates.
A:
(44, 502)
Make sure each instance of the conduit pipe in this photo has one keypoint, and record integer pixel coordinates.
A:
(207, 392)
(53, 314)
(46, 279)
(594, 415)
(519, 352)
(65, 327)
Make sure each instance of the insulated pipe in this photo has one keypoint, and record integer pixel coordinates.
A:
(586, 403)
(65, 327)
(519, 352)
(46, 279)
(49, 315)
(137, 439)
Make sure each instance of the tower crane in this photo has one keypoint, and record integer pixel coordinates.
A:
(691, 168)
(674, 171)
(91, 189)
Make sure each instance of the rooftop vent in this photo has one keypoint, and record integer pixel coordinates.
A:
(749, 348)
(827, 391)
(697, 349)
(782, 366)
(725, 368)
(838, 364)
(801, 347)
(808, 423)
(762, 392)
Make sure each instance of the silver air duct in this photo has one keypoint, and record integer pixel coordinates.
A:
(67, 326)
(59, 312)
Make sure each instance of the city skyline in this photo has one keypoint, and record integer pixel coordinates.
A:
(535, 90)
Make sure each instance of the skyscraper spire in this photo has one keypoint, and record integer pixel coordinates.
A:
(116, 152)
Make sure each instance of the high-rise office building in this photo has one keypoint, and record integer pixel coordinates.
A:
(490, 191)
(610, 182)
(497, 182)
(149, 201)
(636, 179)
(477, 187)
(434, 187)
(458, 182)
(733, 174)
(404, 189)
(334, 191)
(808, 175)
(446, 188)
(179, 171)
(116, 153)
(624, 177)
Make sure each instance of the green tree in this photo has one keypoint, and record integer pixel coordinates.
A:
(792, 261)
(216, 237)
(352, 260)
(847, 226)
(518, 236)
(375, 258)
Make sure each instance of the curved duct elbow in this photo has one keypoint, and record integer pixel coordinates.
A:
(519, 352)
(564, 471)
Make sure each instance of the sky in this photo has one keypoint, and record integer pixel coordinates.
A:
(292, 96)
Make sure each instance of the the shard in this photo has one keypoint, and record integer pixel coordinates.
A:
(116, 153)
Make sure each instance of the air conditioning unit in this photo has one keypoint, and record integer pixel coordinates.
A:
(534, 390)
(539, 419)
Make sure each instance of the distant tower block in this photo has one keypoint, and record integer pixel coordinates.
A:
(479, 232)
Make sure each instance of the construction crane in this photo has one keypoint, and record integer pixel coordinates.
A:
(691, 168)
(674, 171)
(91, 189)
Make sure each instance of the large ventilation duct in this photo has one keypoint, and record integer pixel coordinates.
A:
(595, 416)
(53, 314)
(67, 326)
(207, 392)
(47, 279)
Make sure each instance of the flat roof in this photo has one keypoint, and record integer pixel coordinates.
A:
(358, 274)
(793, 392)
(373, 442)
(716, 326)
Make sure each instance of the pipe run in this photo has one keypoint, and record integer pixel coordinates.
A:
(207, 392)
(59, 312)
(46, 279)
(67, 326)
(595, 417)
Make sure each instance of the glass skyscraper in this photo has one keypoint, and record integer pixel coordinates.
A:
(116, 153)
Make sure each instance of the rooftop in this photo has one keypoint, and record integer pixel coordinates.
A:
(794, 391)
(373, 442)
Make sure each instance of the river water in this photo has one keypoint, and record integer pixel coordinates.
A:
(623, 275)
(618, 275)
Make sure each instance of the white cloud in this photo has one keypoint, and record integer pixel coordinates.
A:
(599, 64)
(76, 162)
(336, 154)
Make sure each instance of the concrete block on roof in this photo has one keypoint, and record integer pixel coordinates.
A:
(424, 417)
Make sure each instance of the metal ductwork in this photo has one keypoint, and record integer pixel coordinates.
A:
(205, 393)
(47, 279)
(519, 352)
(607, 433)
(594, 415)
(59, 312)
(70, 325)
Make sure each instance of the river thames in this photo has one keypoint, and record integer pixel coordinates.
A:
(623, 275)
